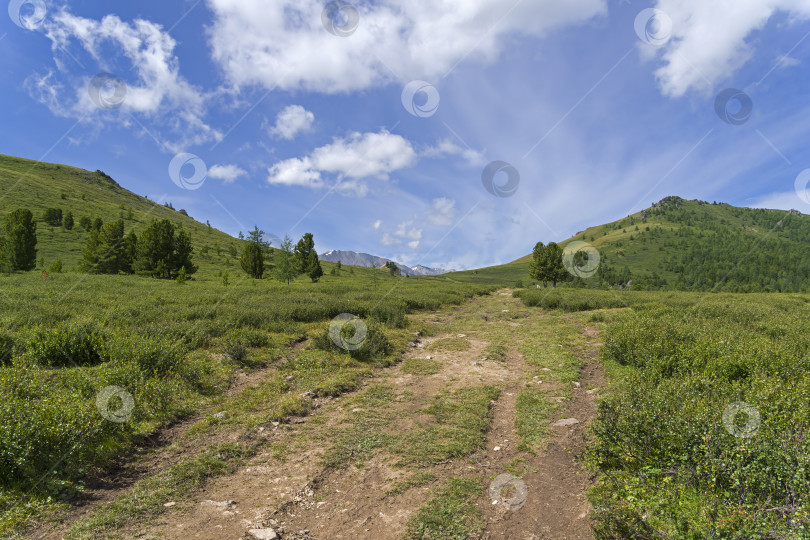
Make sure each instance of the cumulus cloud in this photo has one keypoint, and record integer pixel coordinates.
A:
(352, 159)
(284, 44)
(405, 233)
(226, 173)
(708, 42)
(291, 121)
(447, 147)
(442, 212)
(154, 87)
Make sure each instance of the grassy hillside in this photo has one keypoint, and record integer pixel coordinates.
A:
(692, 245)
(37, 186)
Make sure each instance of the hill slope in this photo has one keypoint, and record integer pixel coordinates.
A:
(28, 184)
(691, 245)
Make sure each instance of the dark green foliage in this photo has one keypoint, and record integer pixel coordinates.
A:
(252, 260)
(19, 245)
(97, 224)
(393, 268)
(106, 251)
(160, 253)
(286, 267)
(302, 253)
(52, 216)
(78, 344)
(85, 223)
(67, 221)
(6, 348)
(672, 467)
(313, 268)
(547, 264)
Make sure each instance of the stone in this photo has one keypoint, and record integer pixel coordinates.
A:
(169, 504)
(263, 534)
(220, 414)
(565, 422)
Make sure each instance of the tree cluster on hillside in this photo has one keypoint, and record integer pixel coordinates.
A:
(161, 251)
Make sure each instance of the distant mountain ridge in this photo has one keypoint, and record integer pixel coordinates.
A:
(354, 258)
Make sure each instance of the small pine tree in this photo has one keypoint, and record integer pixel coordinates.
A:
(302, 250)
(67, 221)
(286, 268)
(252, 260)
(85, 223)
(20, 251)
(314, 270)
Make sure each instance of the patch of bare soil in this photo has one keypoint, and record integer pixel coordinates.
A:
(555, 505)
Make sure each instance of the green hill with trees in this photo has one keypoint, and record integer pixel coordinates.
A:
(687, 245)
(68, 204)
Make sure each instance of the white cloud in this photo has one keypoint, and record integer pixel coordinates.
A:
(784, 61)
(352, 159)
(442, 212)
(447, 147)
(295, 172)
(405, 233)
(154, 86)
(226, 173)
(284, 44)
(377, 224)
(708, 42)
(291, 121)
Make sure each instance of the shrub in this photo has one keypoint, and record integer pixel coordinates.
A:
(72, 344)
(6, 349)
(372, 349)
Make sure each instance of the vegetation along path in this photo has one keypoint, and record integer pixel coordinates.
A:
(476, 433)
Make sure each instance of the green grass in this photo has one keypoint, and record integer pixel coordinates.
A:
(452, 514)
(417, 479)
(672, 468)
(65, 339)
(453, 425)
(421, 366)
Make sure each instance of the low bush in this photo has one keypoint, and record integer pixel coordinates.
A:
(72, 344)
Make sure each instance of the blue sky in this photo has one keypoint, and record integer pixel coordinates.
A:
(600, 107)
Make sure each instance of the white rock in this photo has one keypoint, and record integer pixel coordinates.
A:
(263, 534)
(497, 448)
(565, 422)
(462, 335)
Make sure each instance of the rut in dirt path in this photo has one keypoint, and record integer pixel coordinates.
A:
(296, 487)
